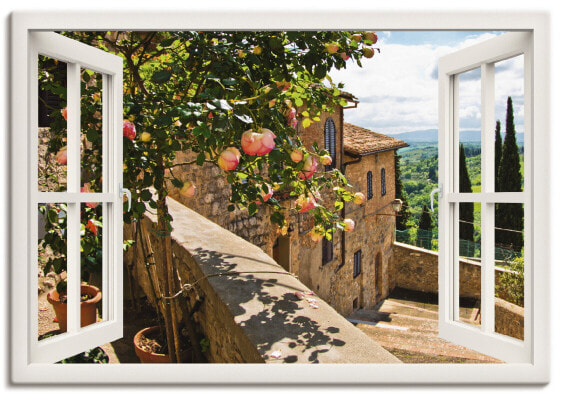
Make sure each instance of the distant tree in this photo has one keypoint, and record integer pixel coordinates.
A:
(466, 209)
(424, 231)
(510, 215)
(432, 174)
(401, 221)
(498, 153)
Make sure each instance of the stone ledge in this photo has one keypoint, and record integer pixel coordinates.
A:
(249, 316)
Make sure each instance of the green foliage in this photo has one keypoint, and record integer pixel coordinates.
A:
(405, 214)
(200, 91)
(510, 283)
(95, 355)
(510, 216)
(466, 209)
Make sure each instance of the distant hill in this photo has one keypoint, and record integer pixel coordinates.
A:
(431, 136)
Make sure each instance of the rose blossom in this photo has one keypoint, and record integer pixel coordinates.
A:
(129, 130)
(62, 156)
(229, 158)
(258, 144)
(310, 166)
(349, 225)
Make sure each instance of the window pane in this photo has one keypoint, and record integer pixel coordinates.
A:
(91, 121)
(52, 169)
(469, 264)
(468, 172)
(509, 112)
(509, 269)
(91, 261)
(52, 252)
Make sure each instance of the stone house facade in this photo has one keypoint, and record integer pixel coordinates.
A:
(350, 272)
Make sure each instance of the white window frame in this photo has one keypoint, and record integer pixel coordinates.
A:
(536, 371)
(484, 56)
(27, 348)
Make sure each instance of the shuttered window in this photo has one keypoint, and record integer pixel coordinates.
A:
(330, 139)
(357, 263)
(383, 181)
(369, 193)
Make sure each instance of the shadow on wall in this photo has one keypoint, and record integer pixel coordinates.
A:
(268, 314)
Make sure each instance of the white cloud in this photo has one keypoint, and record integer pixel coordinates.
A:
(398, 89)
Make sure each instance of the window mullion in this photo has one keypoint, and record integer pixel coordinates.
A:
(487, 208)
(73, 231)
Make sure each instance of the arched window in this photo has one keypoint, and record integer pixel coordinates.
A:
(383, 181)
(330, 139)
(369, 193)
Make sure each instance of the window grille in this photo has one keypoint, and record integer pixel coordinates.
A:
(383, 181)
(357, 263)
(369, 193)
(330, 139)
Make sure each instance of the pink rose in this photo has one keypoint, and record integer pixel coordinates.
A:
(91, 227)
(62, 156)
(188, 189)
(315, 235)
(359, 198)
(86, 189)
(229, 158)
(129, 130)
(325, 160)
(305, 203)
(296, 155)
(349, 225)
(310, 166)
(258, 144)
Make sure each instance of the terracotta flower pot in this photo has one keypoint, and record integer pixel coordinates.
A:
(88, 313)
(145, 356)
(150, 357)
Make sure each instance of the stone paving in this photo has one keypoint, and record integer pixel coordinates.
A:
(409, 330)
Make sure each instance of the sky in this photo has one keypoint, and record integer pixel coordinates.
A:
(398, 87)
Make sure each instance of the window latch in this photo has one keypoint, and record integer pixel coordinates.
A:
(435, 190)
(125, 192)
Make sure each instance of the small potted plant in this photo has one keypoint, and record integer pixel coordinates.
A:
(90, 245)
(150, 346)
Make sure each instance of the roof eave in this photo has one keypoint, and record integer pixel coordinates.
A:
(356, 155)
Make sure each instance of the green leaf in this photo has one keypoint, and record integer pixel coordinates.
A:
(161, 76)
(200, 158)
(146, 195)
(252, 208)
(306, 122)
(92, 135)
(52, 216)
(299, 102)
(229, 81)
(175, 182)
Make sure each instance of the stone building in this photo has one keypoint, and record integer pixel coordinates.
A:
(349, 272)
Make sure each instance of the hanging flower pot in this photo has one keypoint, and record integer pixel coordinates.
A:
(91, 296)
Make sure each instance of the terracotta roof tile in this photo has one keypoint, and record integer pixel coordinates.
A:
(361, 141)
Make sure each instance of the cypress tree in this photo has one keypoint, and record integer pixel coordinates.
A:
(405, 214)
(424, 231)
(466, 209)
(510, 215)
(498, 153)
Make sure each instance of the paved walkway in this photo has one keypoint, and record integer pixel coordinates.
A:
(409, 330)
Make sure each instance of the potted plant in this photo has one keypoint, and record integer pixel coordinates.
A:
(150, 346)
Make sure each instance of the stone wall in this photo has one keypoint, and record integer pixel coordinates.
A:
(249, 307)
(416, 269)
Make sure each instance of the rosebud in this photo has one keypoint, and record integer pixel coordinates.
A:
(349, 225)
(344, 56)
(359, 198)
(62, 156)
(257, 50)
(371, 36)
(258, 143)
(129, 130)
(229, 158)
(296, 155)
(357, 37)
(325, 160)
(188, 189)
(64, 112)
(332, 47)
(367, 52)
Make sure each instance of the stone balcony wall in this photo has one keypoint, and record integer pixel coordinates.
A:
(249, 307)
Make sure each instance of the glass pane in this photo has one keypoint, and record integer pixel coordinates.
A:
(91, 255)
(91, 131)
(509, 269)
(52, 169)
(469, 265)
(469, 114)
(509, 115)
(52, 251)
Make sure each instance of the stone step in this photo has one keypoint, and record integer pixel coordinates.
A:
(421, 343)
